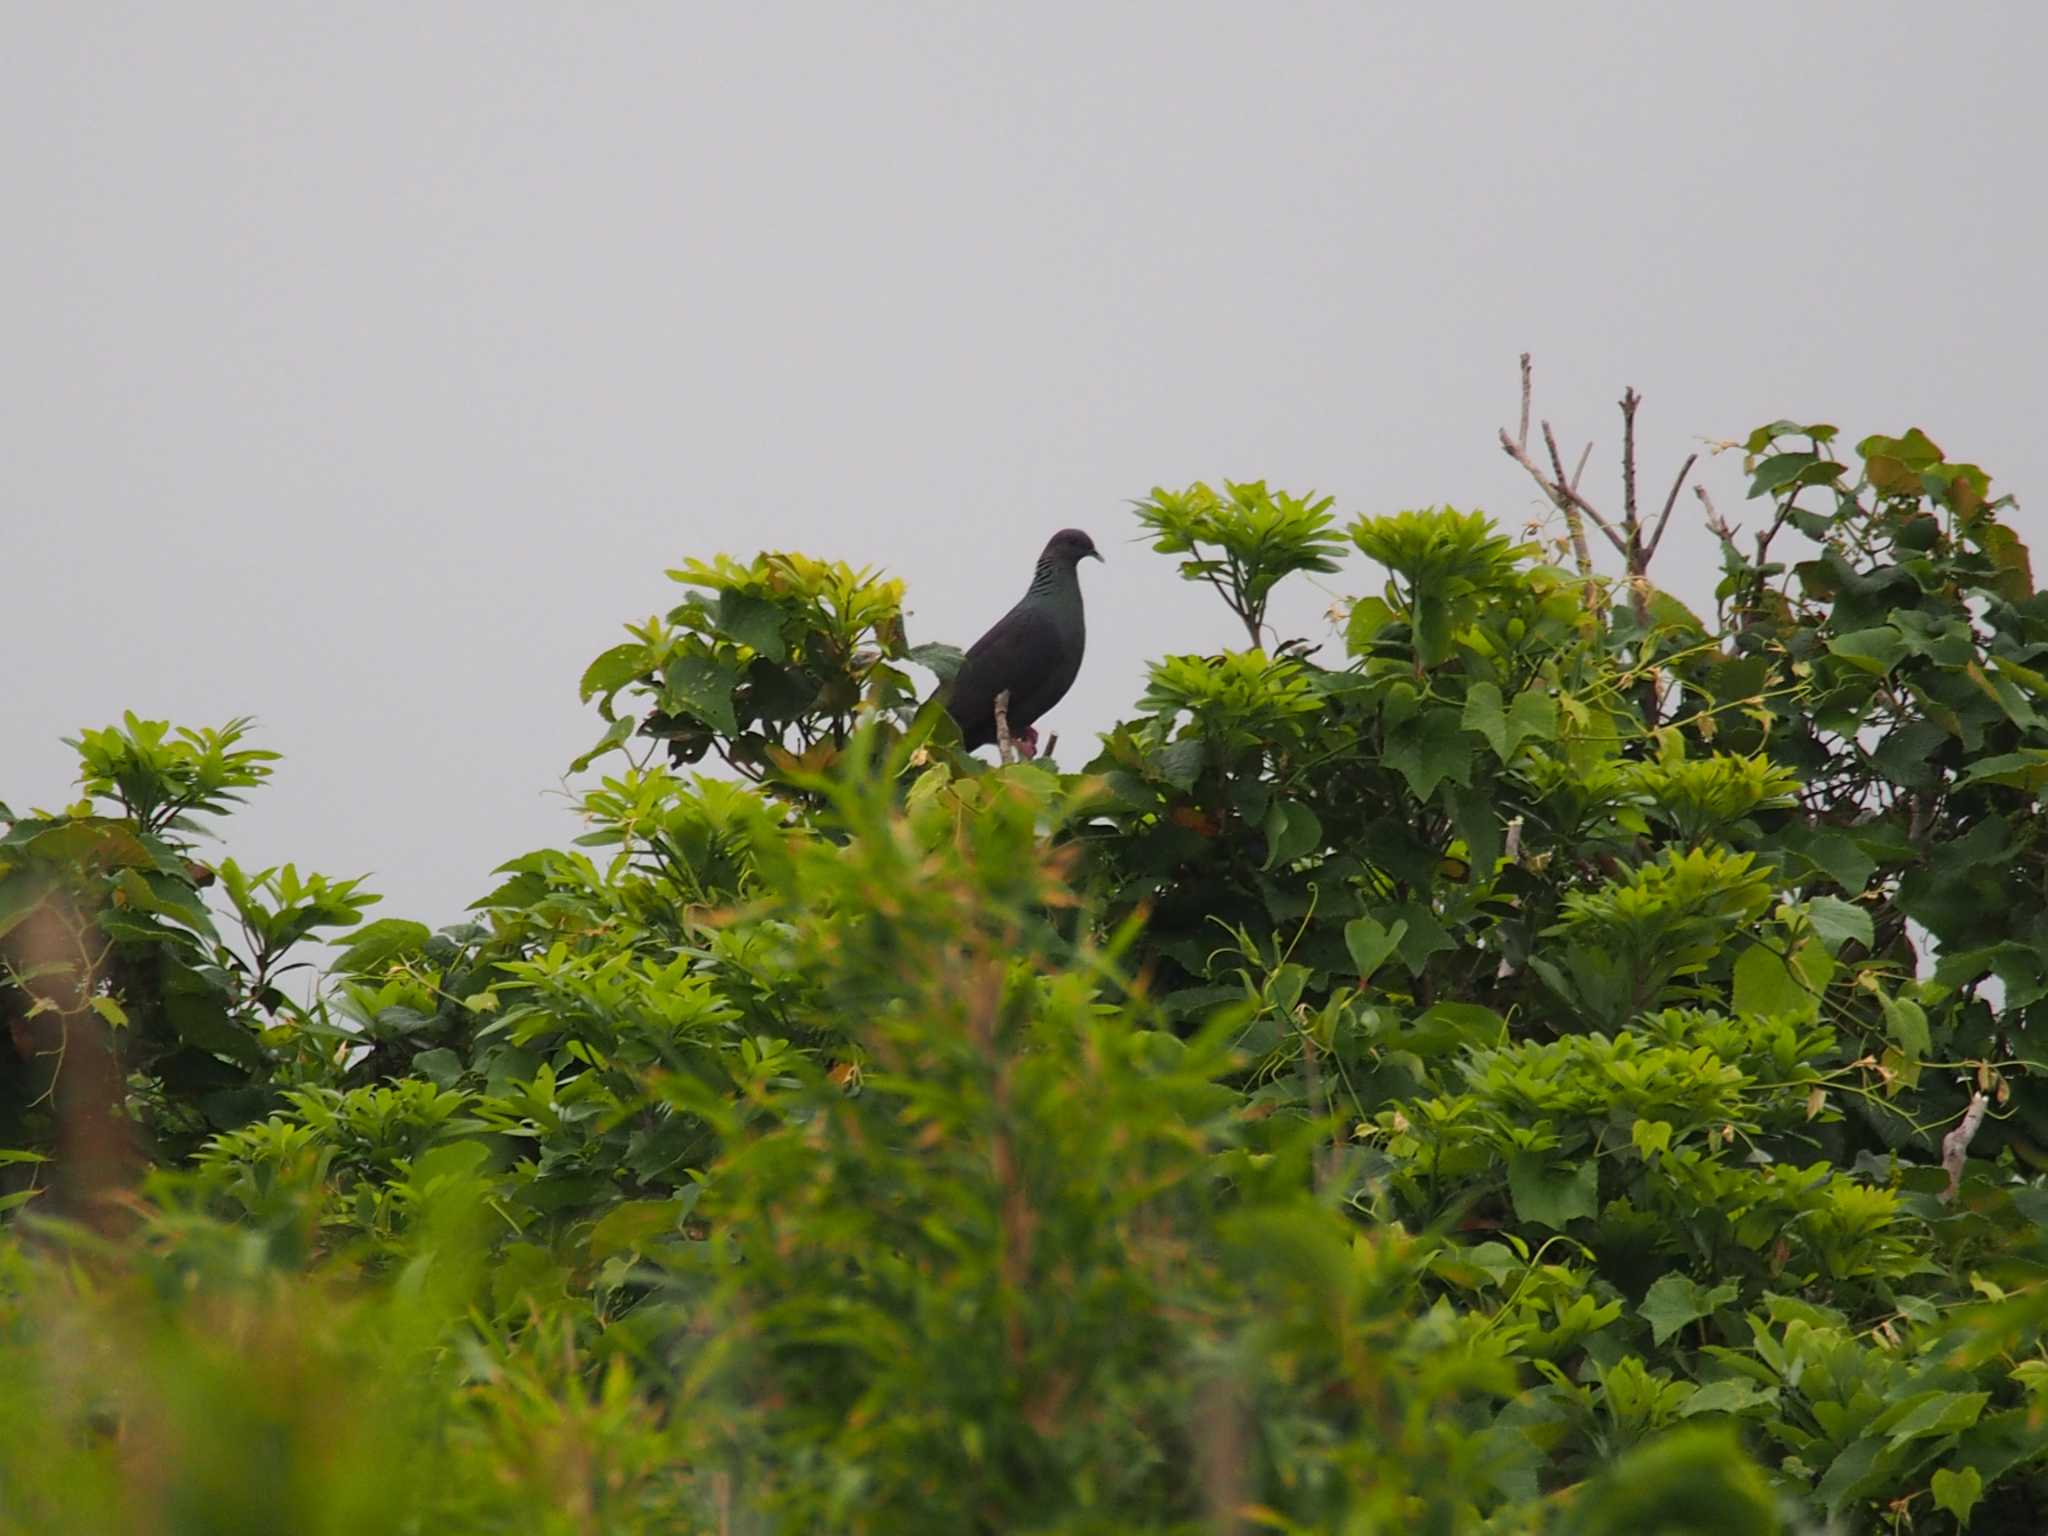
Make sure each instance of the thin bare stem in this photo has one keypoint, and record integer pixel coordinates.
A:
(1567, 494)
(1522, 437)
(1629, 401)
(1670, 501)
(1717, 524)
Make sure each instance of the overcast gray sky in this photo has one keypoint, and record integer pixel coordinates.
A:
(365, 366)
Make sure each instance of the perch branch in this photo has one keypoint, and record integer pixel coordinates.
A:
(1006, 749)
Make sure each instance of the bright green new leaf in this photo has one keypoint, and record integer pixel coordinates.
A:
(1957, 1492)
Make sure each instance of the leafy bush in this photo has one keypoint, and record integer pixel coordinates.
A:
(1553, 1066)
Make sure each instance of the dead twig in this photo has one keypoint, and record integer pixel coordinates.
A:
(1717, 525)
(1567, 496)
(1522, 439)
(1955, 1146)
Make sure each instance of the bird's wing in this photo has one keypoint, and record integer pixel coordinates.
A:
(1019, 650)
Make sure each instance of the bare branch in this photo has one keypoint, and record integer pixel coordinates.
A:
(1670, 501)
(1714, 518)
(1955, 1146)
(1716, 524)
(1629, 401)
(1566, 493)
(1563, 502)
(1522, 440)
(1006, 749)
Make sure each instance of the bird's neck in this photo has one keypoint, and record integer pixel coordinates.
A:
(1053, 577)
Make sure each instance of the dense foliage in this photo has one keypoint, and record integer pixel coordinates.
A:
(1532, 1064)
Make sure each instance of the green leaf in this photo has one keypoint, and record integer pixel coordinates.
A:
(1731, 1395)
(2026, 769)
(1428, 748)
(376, 944)
(1935, 1413)
(1674, 1301)
(1853, 1471)
(612, 670)
(1780, 469)
(616, 736)
(1179, 762)
(1648, 1136)
(1838, 856)
(631, 1226)
(1906, 1022)
(1958, 1492)
(753, 621)
(703, 686)
(1423, 936)
(1292, 831)
(1550, 1195)
(1370, 943)
(943, 661)
(1484, 714)
(2000, 688)
(440, 1066)
(1369, 615)
(1765, 985)
(1532, 714)
(1871, 650)
(1837, 922)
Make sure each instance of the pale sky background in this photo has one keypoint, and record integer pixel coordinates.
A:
(365, 366)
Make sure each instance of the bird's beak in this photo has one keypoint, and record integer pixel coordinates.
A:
(1098, 555)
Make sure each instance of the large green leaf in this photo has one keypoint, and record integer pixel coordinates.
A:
(702, 686)
(1550, 1194)
(1676, 1300)
(1428, 748)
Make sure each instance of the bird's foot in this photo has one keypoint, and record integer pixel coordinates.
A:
(1027, 742)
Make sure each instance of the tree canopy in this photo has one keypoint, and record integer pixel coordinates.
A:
(1542, 1059)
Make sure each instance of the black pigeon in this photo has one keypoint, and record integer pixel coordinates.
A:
(1034, 651)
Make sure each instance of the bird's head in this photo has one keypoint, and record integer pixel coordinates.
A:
(1069, 547)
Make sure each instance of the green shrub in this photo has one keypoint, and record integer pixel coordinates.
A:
(1548, 1068)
